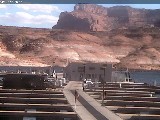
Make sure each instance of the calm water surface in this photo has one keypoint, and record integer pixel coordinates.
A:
(149, 77)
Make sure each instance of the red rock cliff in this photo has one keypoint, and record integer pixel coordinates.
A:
(88, 17)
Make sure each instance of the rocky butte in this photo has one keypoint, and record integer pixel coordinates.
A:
(87, 17)
(126, 36)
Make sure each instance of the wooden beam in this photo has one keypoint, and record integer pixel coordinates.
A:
(30, 91)
(32, 100)
(37, 113)
(31, 95)
(17, 105)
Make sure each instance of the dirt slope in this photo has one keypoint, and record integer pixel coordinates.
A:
(40, 47)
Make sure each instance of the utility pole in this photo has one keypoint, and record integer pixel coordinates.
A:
(103, 92)
(84, 65)
(103, 87)
(84, 70)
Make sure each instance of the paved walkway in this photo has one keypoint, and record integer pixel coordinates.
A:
(80, 109)
(86, 107)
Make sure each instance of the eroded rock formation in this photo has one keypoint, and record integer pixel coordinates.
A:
(87, 17)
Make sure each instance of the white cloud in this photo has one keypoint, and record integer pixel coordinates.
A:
(26, 19)
(38, 19)
(39, 8)
(2, 6)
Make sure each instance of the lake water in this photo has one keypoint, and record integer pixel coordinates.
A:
(149, 77)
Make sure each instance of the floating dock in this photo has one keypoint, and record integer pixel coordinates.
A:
(35, 104)
(129, 100)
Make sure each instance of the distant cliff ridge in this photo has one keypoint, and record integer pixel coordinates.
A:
(88, 17)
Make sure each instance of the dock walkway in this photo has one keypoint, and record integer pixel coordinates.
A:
(86, 107)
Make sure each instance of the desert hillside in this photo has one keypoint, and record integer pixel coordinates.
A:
(47, 47)
(136, 48)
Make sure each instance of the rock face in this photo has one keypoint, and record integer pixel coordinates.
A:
(88, 17)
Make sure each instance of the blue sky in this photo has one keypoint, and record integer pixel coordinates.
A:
(44, 15)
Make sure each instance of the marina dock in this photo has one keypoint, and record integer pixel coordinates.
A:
(129, 100)
(35, 104)
(122, 101)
